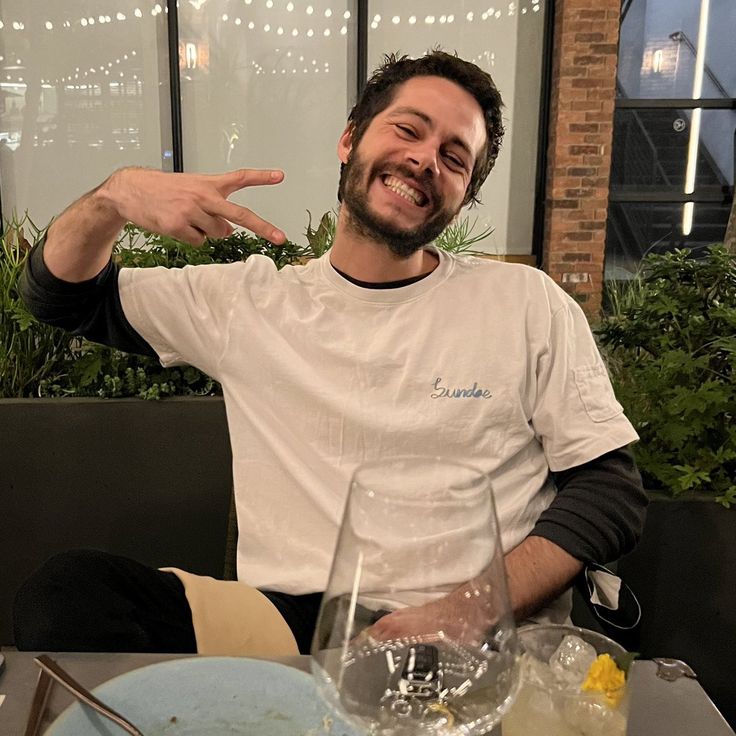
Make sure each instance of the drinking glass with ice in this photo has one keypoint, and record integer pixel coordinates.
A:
(573, 683)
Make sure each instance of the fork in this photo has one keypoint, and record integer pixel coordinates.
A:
(50, 667)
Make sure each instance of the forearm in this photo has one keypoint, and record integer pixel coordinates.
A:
(537, 572)
(80, 241)
(597, 515)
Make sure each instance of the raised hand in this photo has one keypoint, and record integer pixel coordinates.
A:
(188, 207)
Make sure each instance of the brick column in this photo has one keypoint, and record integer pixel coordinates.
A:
(579, 156)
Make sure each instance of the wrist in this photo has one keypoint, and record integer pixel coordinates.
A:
(108, 198)
(538, 571)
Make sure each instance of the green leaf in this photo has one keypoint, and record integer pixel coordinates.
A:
(728, 497)
(625, 660)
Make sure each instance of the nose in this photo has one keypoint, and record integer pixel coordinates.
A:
(423, 156)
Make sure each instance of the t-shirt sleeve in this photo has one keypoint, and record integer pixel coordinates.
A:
(576, 415)
(183, 313)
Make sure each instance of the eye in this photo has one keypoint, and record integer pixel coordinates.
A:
(455, 160)
(406, 130)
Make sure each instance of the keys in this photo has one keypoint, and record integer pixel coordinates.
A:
(421, 676)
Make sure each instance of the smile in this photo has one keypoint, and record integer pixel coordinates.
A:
(404, 190)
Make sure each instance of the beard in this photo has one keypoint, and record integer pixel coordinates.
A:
(355, 181)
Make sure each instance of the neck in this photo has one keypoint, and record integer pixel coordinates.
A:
(371, 261)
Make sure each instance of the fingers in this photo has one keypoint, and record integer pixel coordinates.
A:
(195, 207)
(213, 227)
(248, 219)
(192, 236)
(232, 181)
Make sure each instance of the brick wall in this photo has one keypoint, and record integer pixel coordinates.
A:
(579, 154)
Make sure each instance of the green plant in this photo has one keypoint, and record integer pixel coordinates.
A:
(29, 352)
(139, 248)
(320, 239)
(458, 237)
(670, 343)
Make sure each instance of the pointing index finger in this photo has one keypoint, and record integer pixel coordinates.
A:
(248, 219)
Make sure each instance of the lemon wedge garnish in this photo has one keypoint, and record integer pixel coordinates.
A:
(607, 678)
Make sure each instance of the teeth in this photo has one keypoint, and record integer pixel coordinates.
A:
(404, 190)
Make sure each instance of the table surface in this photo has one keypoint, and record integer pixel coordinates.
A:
(658, 707)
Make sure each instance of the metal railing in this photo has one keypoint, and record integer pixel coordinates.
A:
(682, 37)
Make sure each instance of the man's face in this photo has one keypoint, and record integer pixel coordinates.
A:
(406, 179)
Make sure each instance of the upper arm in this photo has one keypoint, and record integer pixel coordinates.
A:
(599, 510)
(575, 415)
(89, 308)
(183, 313)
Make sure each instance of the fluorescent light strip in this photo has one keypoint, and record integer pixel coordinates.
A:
(687, 218)
(694, 143)
(692, 150)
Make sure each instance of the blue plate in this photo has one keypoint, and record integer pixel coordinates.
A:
(208, 696)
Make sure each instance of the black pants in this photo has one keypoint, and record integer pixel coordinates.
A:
(91, 601)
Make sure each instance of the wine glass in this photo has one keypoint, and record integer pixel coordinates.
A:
(415, 633)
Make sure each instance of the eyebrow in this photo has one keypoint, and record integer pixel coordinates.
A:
(428, 120)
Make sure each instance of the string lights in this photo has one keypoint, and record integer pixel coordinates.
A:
(334, 24)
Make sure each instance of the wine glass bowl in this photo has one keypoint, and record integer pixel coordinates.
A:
(415, 634)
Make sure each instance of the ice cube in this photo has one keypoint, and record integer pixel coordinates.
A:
(571, 660)
(590, 715)
(538, 673)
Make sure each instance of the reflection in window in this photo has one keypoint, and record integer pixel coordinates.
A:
(659, 47)
(269, 85)
(82, 85)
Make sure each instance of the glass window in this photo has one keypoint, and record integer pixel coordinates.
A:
(84, 91)
(268, 84)
(659, 44)
(507, 42)
(672, 173)
(653, 148)
(638, 228)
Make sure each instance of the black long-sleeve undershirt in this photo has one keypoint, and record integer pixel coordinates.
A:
(597, 514)
(89, 308)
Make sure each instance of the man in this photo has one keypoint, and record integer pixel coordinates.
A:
(364, 353)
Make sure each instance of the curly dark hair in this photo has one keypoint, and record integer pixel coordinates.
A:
(381, 88)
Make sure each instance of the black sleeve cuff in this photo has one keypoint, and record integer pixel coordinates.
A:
(599, 510)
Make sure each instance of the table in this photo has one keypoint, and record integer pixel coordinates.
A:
(658, 707)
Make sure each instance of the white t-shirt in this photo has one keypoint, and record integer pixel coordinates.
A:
(482, 362)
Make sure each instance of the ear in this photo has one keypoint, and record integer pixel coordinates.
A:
(345, 144)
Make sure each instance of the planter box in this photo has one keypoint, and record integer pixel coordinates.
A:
(684, 574)
(151, 480)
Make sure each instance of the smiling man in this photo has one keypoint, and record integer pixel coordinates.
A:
(384, 346)
(411, 173)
